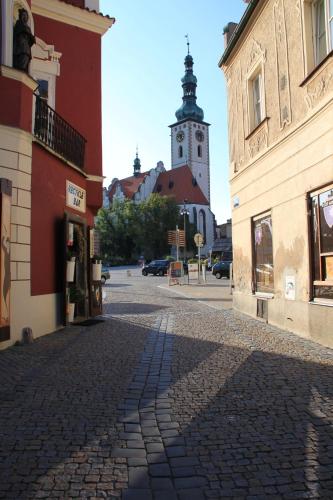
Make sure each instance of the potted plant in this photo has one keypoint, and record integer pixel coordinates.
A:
(70, 267)
(75, 295)
(96, 271)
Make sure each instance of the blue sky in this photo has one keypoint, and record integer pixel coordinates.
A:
(143, 63)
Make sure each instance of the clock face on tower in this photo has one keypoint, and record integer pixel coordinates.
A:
(180, 136)
(199, 136)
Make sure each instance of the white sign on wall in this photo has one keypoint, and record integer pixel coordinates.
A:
(75, 197)
(290, 288)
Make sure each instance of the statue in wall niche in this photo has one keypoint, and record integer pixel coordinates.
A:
(22, 42)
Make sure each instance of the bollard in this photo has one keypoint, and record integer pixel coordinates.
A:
(128, 272)
(27, 336)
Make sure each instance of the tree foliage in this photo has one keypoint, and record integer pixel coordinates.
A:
(128, 230)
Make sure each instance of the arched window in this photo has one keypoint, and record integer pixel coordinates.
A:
(199, 151)
(195, 217)
(180, 152)
(202, 223)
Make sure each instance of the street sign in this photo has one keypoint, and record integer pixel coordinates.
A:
(176, 238)
(198, 239)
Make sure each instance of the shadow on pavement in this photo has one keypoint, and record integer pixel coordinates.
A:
(252, 423)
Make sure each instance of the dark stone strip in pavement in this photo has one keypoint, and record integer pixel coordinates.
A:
(157, 465)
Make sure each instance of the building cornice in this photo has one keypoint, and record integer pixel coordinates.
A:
(238, 31)
(19, 76)
(74, 16)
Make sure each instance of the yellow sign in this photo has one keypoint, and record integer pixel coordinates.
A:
(329, 267)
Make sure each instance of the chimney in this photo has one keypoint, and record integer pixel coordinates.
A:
(228, 31)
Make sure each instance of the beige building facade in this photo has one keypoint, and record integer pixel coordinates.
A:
(278, 64)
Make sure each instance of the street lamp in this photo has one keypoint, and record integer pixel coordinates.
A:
(184, 212)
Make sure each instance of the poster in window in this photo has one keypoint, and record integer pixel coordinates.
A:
(5, 265)
(329, 267)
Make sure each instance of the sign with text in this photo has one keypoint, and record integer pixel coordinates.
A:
(75, 197)
(193, 271)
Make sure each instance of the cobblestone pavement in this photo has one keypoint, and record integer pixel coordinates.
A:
(167, 399)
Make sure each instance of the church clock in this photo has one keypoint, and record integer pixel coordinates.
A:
(180, 136)
(199, 136)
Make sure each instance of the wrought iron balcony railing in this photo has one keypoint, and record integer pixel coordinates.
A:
(57, 134)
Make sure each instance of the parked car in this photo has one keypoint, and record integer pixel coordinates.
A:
(156, 267)
(222, 268)
(105, 274)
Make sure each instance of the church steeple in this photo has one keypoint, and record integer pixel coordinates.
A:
(189, 108)
(136, 165)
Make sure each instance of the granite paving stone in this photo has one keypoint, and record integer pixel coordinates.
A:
(166, 399)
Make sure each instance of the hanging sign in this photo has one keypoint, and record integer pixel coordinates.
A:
(75, 197)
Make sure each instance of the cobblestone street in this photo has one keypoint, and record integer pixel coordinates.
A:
(172, 397)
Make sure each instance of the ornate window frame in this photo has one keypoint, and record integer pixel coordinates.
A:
(45, 66)
(309, 30)
(256, 68)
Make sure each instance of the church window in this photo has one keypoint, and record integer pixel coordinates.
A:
(199, 151)
(171, 184)
(180, 152)
(195, 217)
(202, 223)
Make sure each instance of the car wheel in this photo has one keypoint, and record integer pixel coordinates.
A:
(144, 273)
(103, 280)
(218, 275)
(161, 272)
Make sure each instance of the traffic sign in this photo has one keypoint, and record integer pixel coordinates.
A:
(198, 240)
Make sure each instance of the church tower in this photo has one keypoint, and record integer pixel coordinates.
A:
(190, 134)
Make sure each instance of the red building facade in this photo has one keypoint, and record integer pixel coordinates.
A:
(50, 164)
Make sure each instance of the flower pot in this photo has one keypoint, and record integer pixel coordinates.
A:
(70, 312)
(97, 271)
(70, 270)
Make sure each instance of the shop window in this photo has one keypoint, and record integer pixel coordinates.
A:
(322, 244)
(263, 254)
(318, 31)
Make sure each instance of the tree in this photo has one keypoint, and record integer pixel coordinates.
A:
(159, 214)
(128, 229)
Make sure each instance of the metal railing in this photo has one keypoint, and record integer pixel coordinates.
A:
(57, 134)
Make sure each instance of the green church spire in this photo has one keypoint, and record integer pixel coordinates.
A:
(137, 164)
(189, 108)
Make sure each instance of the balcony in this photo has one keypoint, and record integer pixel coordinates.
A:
(57, 134)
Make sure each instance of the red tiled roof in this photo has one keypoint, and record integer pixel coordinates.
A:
(80, 5)
(129, 186)
(180, 183)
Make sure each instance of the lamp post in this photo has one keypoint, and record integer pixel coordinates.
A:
(184, 212)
